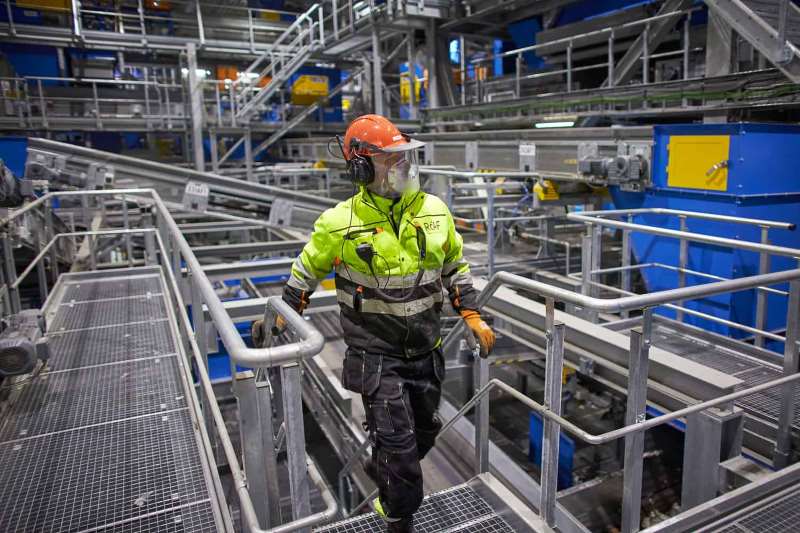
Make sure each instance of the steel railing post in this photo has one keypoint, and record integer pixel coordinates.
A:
(761, 295)
(149, 239)
(41, 273)
(638, 366)
(295, 439)
(126, 224)
(626, 263)
(481, 378)
(551, 431)
(791, 365)
(11, 272)
(683, 261)
(50, 233)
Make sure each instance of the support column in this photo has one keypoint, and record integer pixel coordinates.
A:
(720, 47)
(377, 78)
(295, 440)
(196, 107)
(638, 368)
(712, 436)
(214, 145)
(433, 78)
(248, 153)
(791, 365)
(412, 75)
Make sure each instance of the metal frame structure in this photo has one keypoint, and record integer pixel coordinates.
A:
(174, 250)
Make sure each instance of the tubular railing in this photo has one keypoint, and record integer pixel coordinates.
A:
(474, 77)
(139, 25)
(282, 58)
(596, 220)
(636, 423)
(174, 256)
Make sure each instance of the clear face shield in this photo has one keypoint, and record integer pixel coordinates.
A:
(397, 173)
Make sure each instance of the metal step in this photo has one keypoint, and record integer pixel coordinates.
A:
(105, 438)
(482, 505)
(758, 21)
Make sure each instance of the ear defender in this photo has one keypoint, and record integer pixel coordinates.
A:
(360, 170)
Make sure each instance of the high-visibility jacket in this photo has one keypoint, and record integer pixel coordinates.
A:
(406, 324)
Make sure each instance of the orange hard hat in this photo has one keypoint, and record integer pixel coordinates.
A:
(372, 134)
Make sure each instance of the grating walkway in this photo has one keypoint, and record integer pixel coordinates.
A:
(465, 508)
(104, 438)
(765, 405)
(776, 514)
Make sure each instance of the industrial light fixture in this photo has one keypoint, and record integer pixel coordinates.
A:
(559, 124)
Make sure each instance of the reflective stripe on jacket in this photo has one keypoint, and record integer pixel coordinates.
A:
(407, 323)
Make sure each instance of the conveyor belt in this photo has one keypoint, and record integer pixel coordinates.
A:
(104, 438)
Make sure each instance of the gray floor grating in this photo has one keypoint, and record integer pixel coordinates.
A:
(103, 439)
(456, 509)
(89, 347)
(781, 515)
(89, 477)
(83, 291)
(107, 313)
(95, 395)
(765, 404)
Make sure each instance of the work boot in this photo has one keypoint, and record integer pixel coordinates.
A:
(393, 525)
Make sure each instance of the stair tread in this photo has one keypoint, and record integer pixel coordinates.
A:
(456, 509)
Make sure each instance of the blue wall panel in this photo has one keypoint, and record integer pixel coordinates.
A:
(762, 183)
(13, 152)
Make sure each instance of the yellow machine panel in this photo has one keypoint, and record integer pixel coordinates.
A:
(699, 162)
(57, 5)
(307, 89)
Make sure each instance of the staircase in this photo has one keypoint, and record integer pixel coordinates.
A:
(305, 113)
(480, 505)
(283, 58)
(771, 26)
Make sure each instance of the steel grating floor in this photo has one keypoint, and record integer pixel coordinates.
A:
(104, 439)
(779, 514)
(752, 372)
(456, 509)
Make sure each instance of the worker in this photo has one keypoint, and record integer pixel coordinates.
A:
(392, 247)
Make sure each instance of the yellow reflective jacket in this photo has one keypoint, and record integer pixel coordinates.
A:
(382, 311)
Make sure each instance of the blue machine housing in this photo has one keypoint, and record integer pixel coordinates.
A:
(763, 182)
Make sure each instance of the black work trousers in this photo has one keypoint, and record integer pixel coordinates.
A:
(400, 397)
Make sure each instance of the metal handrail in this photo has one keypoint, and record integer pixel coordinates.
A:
(625, 303)
(692, 214)
(689, 236)
(615, 434)
(310, 343)
(240, 480)
(310, 340)
(554, 176)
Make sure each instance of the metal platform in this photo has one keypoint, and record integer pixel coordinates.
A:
(104, 438)
(763, 406)
(482, 505)
(780, 514)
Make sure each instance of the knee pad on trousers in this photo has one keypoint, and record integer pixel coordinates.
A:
(426, 437)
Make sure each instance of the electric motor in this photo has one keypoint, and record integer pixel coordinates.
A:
(22, 342)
